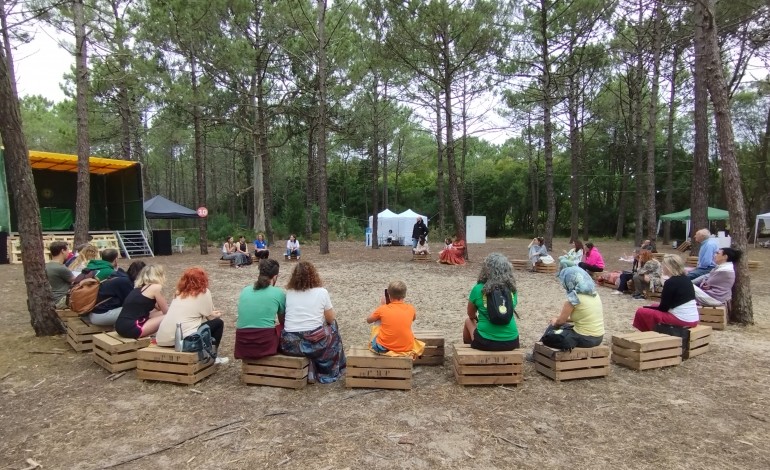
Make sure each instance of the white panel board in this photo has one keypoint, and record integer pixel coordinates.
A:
(476, 229)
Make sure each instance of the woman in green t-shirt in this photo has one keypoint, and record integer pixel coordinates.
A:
(260, 309)
(478, 331)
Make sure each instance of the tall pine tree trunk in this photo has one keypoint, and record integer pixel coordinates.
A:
(742, 309)
(668, 205)
(652, 123)
(43, 318)
(83, 198)
(545, 78)
(699, 193)
(200, 165)
(323, 203)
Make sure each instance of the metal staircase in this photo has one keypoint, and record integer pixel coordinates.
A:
(133, 243)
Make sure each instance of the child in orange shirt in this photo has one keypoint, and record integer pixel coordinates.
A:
(394, 334)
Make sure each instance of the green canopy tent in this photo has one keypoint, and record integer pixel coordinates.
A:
(684, 216)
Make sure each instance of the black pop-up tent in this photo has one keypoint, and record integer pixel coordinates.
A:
(161, 208)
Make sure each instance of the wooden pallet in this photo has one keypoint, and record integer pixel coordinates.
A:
(80, 333)
(523, 264)
(434, 348)
(101, 240)
(684, 247)
(422, 257)
(643, 350)
(546, 268)
(276, 371)
(580, 363)
(715, 317)
(474, 367)
(658, 256)
(369, 370)
(116, 353)
(754, 265)
(166, 365)
(225, 263)
(692, 261)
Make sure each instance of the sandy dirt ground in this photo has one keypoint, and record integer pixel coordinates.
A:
(710, 412)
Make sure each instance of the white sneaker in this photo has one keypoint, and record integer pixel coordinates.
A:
(221, 361)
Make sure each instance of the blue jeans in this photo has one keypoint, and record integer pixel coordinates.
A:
(292, 252)
(698, 272)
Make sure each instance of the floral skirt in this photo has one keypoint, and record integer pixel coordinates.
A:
(323, 346)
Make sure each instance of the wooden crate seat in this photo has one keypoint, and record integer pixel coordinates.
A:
(80, 333)
(290, 258)
(695, 340)
(66, 314)
(692, 261)
(166, 365)
(369, 370)
(225, 263)
(276, 371)
(116, 353)
(546, 268)
(651, 294)
(474, 367)
(434, 347)
(754, 265)
(421, 257)
(644, 350)
(522, 264)
(715, 317)
(580, 363)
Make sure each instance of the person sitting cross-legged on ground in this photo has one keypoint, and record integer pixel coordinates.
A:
(310, 328)
(648, 275)
(455, 254)
(537, 250)
(393, 336)
(708, 248)
(261, 310)
(716, 288)
(580, 323)
(677, 301)
(478, 330)
(593, 261)
(59, 277)
(422, 247)
(145, 306)
(292, 247)
(114, 290)
(260, 247)
(230, 252)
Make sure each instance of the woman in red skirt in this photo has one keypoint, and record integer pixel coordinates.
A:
(677, 301)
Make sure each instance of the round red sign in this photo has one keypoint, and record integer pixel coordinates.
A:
(203, 212)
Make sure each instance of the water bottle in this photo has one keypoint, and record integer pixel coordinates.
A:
(178, 338)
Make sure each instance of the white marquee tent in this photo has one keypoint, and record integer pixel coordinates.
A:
(401, 224)
(765, 218)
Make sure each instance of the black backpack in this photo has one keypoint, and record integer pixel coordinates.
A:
(200, 342)
(500, 306)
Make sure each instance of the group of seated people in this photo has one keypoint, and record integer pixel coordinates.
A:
(238, 252)
(591, 260)
(301, 320)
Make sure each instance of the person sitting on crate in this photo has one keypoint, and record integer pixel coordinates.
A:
(292, 247)
(708, 248)
(261, 309)
(480, 330)
(422, 247)
(537, 251)
(571, 257)
(594, 262)
(59, 277)
(113, 290)
(260, 247)
(716, 288)
(677, 301)
(85, 254)
(145, 306)
(580, 323)
(243, 248)
(647, 276)
(192, 307)
(393, 336)
(230, 252)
